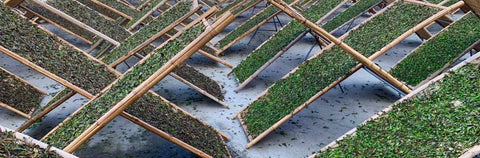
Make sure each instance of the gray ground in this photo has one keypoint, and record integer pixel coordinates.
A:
(320, 123)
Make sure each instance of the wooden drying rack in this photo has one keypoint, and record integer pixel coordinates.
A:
(86, 94)
(365, 61)
(29, 115)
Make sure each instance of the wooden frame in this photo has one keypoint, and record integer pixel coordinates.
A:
(143, 88)
(390, 107)
(140, 123)
(29, 115)
(284, 50)
(29, 140)
(221, 50)
(364, 61)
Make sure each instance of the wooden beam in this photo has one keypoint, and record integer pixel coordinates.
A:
(151, 81)
(112, 9)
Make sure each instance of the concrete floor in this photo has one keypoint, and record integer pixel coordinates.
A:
(321, 122)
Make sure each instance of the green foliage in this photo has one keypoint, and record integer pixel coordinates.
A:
(55, 98)
(349, 13)
(162, 22)
(248, 4)
(440, 121)
(72, 128)
(280, 40)
(143, 12)
(99, 9)
(90, 18)
(60, 21)
(223, 10)
(46, 51)
(252, 22)
(315, 75)
(18, 94)
(200, 80)
(179, 125)
(10, 146)
(438, 51)
(119, 7)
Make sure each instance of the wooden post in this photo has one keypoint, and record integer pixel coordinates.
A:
(75, 21)
(362, 59)
(151, 81)
(13, 3)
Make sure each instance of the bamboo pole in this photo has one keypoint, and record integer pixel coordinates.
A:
(151, 81)
(75, 21)
(250, 30)
(472, 152)
(37, 117)
(144, 4)
(23, 81)
(420, 26)
(248, 8)
(29, 140)
(342, 45)
(425, 4)
(269, 62)
(362, 59)
(208, 55)
(359, 15)
(45, 72)
(390, 107)
(164, 134)
(14, 110)
(199, 90)
(187, 113)
(56, 25)
(13, 3)
(146, 15)
(112, 9)
(208, 13)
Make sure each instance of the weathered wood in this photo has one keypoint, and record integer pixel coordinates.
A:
(151, 81)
